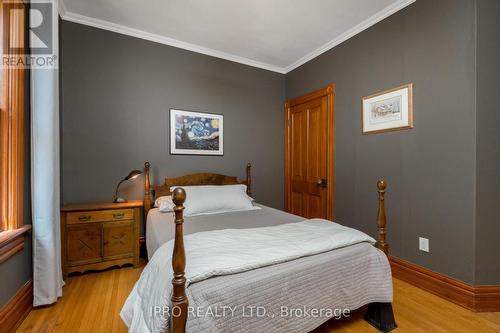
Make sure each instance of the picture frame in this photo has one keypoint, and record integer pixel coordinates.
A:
(389, 110)
(196, 133)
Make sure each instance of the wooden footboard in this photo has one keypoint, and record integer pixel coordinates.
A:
(178, 311)
(179, 298)
(381, 219)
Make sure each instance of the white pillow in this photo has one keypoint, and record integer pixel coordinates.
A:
(211, 199)
(165, 204)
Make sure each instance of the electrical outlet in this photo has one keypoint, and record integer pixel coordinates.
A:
(423, 244)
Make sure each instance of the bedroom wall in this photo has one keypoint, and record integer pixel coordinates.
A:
(443, 182)
(430, 169)
(15, 272)
(116, 95)
(488, 144)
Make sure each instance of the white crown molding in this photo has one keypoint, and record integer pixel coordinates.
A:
(62, 8)
(101, 24)
(372, 20)
(121, 29)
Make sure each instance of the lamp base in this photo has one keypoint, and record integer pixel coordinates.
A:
(119, 200)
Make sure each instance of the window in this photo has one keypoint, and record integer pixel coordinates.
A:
(12, 108)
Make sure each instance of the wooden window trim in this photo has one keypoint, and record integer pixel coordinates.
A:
(12, 88)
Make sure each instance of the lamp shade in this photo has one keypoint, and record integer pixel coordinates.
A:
(133, 174)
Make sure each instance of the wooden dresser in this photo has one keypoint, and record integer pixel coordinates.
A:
(99, 235)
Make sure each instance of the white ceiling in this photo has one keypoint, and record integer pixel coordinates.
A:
(277, 35)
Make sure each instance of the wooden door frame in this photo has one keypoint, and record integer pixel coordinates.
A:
(329, 92)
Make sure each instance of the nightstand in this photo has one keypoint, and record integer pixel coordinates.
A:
(96, 236)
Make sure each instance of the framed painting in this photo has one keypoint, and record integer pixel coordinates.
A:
(196, 133)
(388, 110)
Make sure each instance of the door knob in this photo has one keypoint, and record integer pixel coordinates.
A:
(322, 183)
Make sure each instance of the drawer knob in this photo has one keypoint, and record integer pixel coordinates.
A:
(118, 215)
(84, 218)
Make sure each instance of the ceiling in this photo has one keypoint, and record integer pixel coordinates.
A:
(277, 35)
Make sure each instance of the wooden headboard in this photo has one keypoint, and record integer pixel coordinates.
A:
(153, 191)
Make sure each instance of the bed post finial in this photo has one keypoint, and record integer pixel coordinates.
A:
(381, 219)
(179, 298)
(147, 190)
(249, 179)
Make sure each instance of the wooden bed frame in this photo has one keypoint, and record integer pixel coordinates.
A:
(189, 180)
(380, 315)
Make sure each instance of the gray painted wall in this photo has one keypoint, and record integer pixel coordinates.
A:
(116, 94)
(15, 272)
(117, 91)
(488, 143)
(429, 169)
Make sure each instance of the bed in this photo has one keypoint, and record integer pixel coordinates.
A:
(160, 227)
(230, 270)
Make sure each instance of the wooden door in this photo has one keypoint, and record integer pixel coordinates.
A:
(309, 149)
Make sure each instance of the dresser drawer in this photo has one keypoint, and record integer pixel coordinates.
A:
(99, 216)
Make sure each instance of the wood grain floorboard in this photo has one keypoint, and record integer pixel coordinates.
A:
(92, 302)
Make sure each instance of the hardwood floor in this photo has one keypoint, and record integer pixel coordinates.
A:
(91, 303)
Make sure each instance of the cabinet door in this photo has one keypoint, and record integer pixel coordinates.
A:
(83, 244)
(118, 240)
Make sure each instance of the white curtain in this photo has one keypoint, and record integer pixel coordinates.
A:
(45, 198)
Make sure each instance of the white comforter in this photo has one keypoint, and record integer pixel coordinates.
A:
(229, 251)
